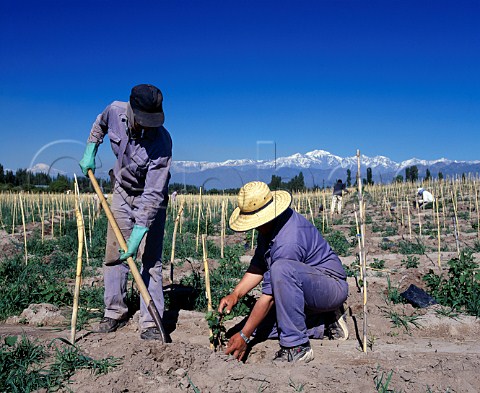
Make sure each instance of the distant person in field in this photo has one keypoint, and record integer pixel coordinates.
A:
(143, 148)
(174, 196)
(304, 283)
(338, 189)
(111, 175)
(424, 197)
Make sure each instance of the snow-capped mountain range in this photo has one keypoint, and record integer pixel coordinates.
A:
(317, 166)
(318, 159)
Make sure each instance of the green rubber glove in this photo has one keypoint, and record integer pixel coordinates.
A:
(133, 242)
(88, 160)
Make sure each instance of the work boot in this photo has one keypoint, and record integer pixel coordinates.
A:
(151, 333)
(300, 353)
(338, 329)
(108, 325)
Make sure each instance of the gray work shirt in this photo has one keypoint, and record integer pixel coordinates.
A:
(145, 163)
(295, 239)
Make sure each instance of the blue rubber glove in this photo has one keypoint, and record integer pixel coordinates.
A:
(133, 242)
(88, 160)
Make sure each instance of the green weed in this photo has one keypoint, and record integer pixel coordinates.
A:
(463, 215)
(382, 381)
(27, 366)
(387, 245)
(393, 294)
(371, 341)
(351, 270)
(403, 320)
(352, 231)
(390, 231)
(296, 386)
(447, 312)
(475, 247)
(338, 221)
(35, 282)
(460, 290)
(406, 247)
(411, 262)
(377, 264)
(339, 243)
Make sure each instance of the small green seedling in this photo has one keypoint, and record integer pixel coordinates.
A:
(218, 330)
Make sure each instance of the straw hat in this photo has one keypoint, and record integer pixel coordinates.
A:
(257, 205)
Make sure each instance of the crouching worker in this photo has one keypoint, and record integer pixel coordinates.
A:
(303, 278)
(424, 198)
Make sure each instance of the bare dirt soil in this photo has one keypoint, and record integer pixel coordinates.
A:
(440, 354)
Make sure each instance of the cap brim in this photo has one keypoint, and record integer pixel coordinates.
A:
(240, 222)
(149, 119)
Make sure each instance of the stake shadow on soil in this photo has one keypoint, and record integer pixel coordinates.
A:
(434, 263)
(355, 325)
(81, 337)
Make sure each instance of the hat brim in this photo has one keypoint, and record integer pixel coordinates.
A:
(241, 222)
(146, 119)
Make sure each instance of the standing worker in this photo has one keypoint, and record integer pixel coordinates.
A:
(337, 196)
(143, 148)
(302, 277)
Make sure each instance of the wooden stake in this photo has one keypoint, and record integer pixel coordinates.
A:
(400, 204)
(78, 275)
(311, 211)
(420, 220)
(360, 246)
(24, 228)
(362, 262)
(409, 221)
(443, 207)
(85, 243)
(53, 212)
(478, 213)
(439, 245)
(14, 214)
(42, 218)
(455, 231)
(197, 239)
(59, 211)
(323, 211)
(455, 222)
(90, 224)
(174, 238)
(222, 229)
(207, 281)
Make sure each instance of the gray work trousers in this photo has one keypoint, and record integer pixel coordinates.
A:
(115, 272)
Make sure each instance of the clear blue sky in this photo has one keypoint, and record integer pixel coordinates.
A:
(394, 78)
